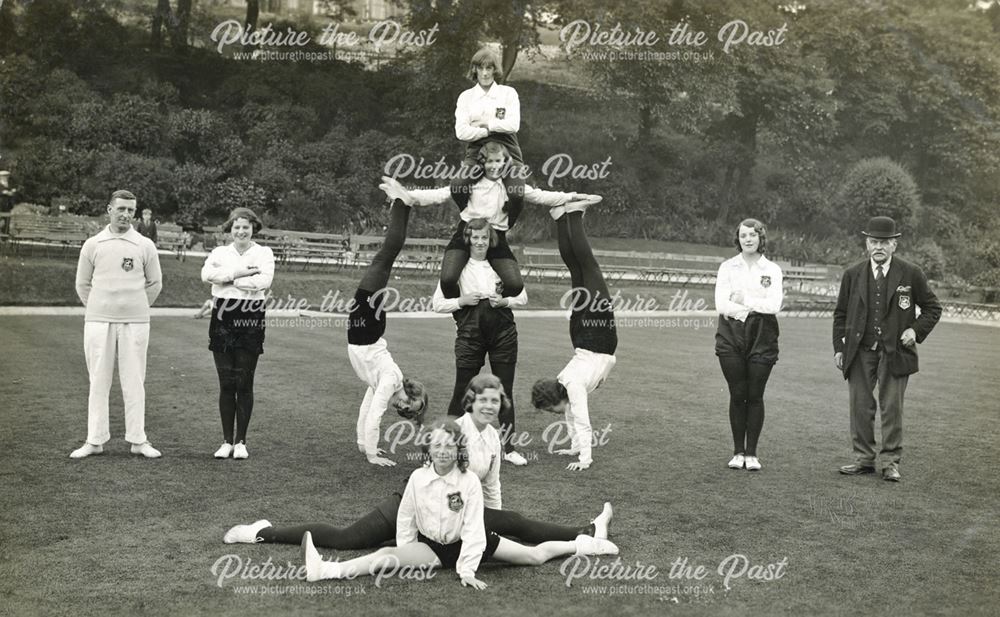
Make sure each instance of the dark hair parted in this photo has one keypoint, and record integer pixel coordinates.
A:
(448, 425)
(547, 393)
(121, 194)
(243, 213)
(478, 384)
(476, 225)
(761, 234)
(485, 57)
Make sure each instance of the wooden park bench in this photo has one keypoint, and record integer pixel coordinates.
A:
(173, 238)
(643, 267)
(59, 233)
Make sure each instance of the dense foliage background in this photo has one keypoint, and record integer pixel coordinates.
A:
(868, 106)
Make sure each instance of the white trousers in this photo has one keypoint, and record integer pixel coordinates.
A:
(102, 341)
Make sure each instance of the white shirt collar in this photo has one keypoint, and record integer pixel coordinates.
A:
(760, 263)
(430, 475)
(885, 266)
(131, 235)
(485, 92)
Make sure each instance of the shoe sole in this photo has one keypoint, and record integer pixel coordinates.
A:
(76, 458)
(306, 543)
(863, 472)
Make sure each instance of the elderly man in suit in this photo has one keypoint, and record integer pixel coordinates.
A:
(875, 332)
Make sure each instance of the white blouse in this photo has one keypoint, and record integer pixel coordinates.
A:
(446, 509)
(497, 106)
(760, 284)
(223, 262)
(477, 276)
(486, 200)
(484, 459)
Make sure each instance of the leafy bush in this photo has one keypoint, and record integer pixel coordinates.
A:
(926, 254)
(878, 187)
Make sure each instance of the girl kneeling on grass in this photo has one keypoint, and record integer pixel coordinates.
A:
(440, 524)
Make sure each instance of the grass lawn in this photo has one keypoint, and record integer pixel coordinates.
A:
(116, 534)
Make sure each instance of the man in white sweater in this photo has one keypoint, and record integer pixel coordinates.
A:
(117, 279)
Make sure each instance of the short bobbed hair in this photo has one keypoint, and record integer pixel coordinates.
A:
(547, 393)
(492, 148)
(243, 213)
(485, 57)
(476, 225)
(449, 426)
(416, 392)
(477, 385)
(761, 234)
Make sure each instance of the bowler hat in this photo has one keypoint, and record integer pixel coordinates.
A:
(881, 227)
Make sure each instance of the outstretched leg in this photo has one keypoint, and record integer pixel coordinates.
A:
(592, 278)
(370, 531)
(366, 322)
(377, 275)
(515, 524)
(522, 555)
(592, 324)
(567, 253)
(390, 558)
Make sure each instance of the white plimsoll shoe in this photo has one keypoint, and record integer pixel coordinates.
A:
(86, 450)
(514, 458)
(394, 190)
(224, 451)
(589, 545)
(737, 461)
(316, 568)
(580, 204)
(602, 521)
(753, 463)
(146, 449)
(246, 534)
(240, 451)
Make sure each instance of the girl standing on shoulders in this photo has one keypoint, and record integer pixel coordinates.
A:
(488, 111)
(748, 295)
(240, 273)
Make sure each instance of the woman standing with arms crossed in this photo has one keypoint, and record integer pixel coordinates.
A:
(240, 273)
(748, 295)
(488, 111)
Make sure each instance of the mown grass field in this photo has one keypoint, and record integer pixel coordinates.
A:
(116, 534)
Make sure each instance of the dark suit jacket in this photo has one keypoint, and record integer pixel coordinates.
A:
(906, 288)
(148, 231)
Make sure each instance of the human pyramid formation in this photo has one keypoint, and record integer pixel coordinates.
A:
(450, 513)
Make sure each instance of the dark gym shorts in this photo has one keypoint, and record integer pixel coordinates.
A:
(237, 325)
(448, 553)
(481, 330)
(755, 340)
